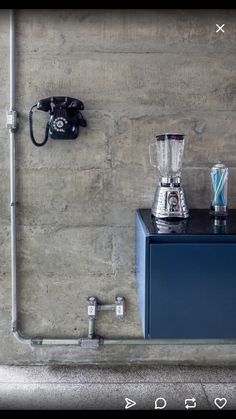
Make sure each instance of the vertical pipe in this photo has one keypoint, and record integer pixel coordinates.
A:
(13, 171)
(91, 327)
(13, 229)
(12, 61)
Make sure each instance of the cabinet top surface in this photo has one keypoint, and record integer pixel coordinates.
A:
(199, 222)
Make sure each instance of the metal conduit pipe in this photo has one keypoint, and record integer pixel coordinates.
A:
(159, 342)
(91, 330)
(13, 180)
(15, 329)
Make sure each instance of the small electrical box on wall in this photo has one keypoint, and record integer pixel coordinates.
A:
(186, 275)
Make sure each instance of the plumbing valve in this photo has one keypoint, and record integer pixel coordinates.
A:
(119, 307)
(92, 307)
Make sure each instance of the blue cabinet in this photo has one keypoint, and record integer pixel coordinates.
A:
(186, 276)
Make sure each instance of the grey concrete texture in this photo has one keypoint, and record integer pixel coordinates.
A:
(125, 30)
(98, 388)
(117, 375)
(133, 90)
(139, 73)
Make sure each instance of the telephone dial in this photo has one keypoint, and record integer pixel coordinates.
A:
(64, 120)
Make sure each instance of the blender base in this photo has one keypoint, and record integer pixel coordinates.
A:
(170, 202)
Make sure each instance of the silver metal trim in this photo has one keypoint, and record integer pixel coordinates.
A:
(170, 180)
(163, 207)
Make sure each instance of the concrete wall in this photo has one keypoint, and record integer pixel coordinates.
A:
(139, 73)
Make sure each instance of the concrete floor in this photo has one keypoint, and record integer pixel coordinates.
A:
(87, 388)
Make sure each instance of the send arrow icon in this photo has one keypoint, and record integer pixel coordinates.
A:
(129, 403)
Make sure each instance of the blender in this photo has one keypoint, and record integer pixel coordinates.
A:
(166, 152)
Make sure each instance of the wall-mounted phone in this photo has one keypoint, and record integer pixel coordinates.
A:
(64, 118)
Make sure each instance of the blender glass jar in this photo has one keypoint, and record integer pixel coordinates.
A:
(166, 153)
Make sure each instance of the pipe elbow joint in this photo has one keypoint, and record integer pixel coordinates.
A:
(20, 338)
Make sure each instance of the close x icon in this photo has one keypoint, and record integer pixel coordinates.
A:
(220, 28)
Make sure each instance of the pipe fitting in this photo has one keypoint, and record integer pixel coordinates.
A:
(21, 338)
(92, 307)
(12, 120)
(87, 343)
(120, 307)
(36, 341)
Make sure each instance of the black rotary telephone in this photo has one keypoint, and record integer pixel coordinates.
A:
(64, 121)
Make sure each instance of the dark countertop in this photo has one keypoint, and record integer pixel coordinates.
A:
(199, 222)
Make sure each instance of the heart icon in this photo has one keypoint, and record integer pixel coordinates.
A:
(220, 403)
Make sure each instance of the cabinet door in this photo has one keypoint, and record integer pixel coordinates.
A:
(192, 291)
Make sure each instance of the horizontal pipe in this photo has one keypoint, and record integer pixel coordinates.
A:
(106, 307)
(66, 342)
(45, 341)
(167, 342)
(77, 342)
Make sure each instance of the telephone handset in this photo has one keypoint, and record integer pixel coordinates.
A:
(64, 121)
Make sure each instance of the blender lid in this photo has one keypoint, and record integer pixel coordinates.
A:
(170, 136)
